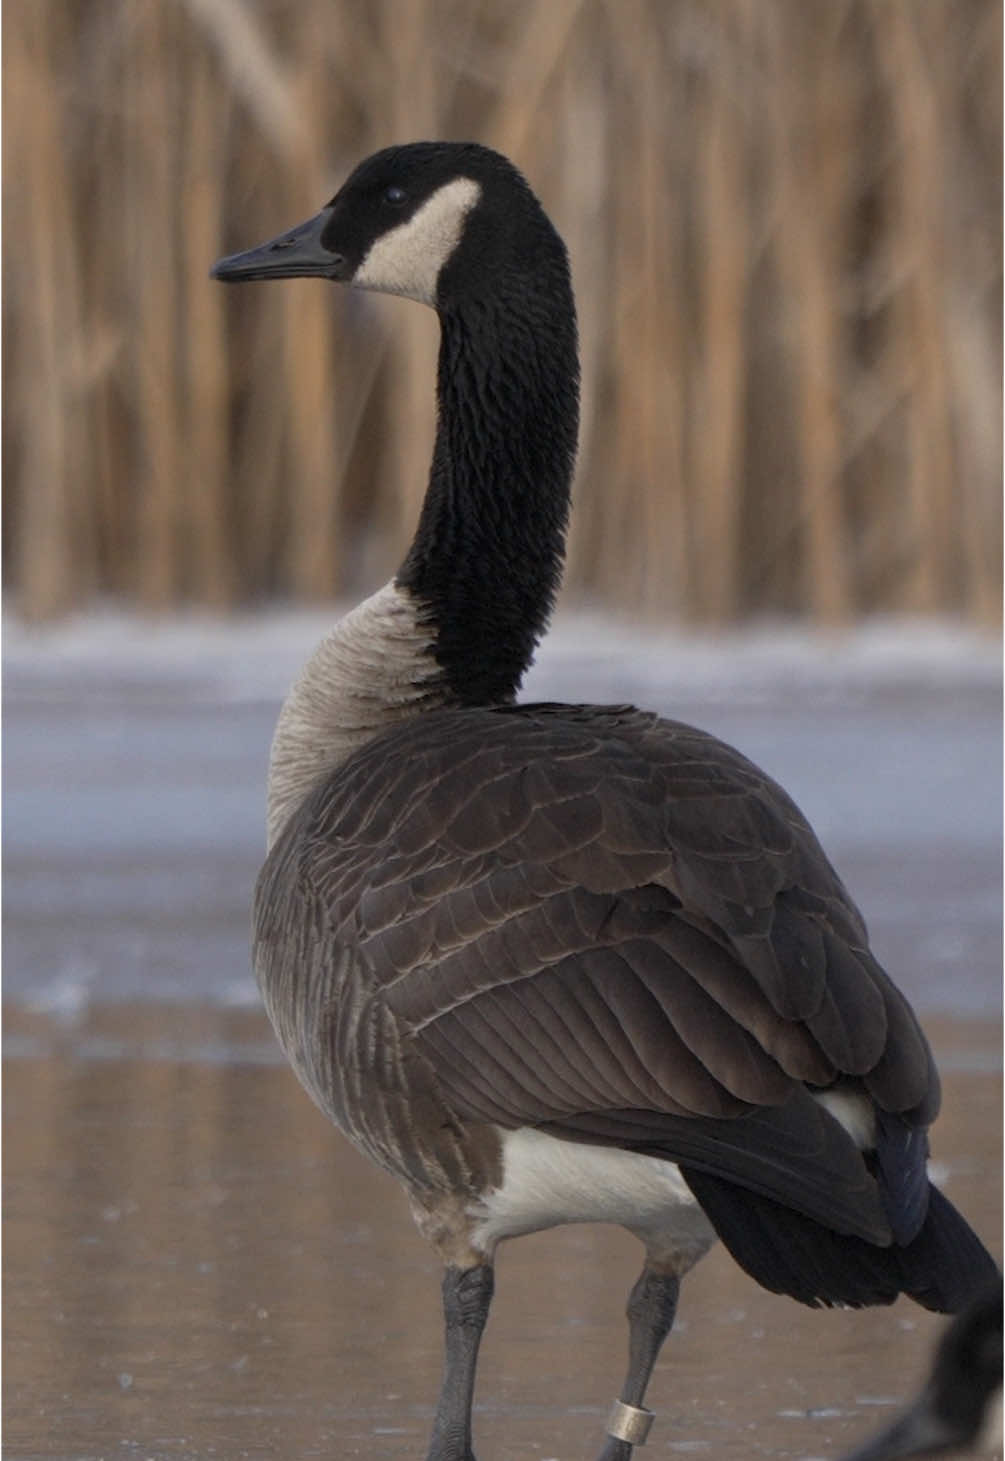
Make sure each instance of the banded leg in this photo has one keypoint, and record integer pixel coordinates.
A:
(652, 1305)
(467, 1294)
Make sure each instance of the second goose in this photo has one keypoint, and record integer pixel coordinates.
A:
(563, 963)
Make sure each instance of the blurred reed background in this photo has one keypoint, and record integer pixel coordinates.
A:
(784, 218)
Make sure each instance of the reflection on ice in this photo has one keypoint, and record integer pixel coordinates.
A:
(200, 1229)
(198, 1266)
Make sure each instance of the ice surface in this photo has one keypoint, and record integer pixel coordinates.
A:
(135, 755)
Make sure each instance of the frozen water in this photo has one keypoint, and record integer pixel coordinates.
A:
(197, 1266)
(135, 756)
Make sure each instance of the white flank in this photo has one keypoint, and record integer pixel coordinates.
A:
(854, 1111)
(547, 1181)
(407, 260)
(373, 670)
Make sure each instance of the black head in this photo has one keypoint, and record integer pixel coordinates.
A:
(429, 220)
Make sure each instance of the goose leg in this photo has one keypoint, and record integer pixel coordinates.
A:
(652, 1305)
(467, 1294)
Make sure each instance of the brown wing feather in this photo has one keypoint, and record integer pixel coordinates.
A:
(566, 915)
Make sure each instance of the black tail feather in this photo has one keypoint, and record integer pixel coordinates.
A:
(942, 1268)
(946, 1265)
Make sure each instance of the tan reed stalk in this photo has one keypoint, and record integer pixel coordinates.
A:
(615, 500)
(718, 372)
(210, 576)
(151, 99)
(787, 257)
(52, 558)
(413, 111)
(97, 236)
(663, 577)
(583, 133)
(809, 144)
(305, 374)
(538, 47)
(616, 467)
(259, 473)
(971, 98)
(260, 103)
(976, 371)
(247, 56)
(918, 200)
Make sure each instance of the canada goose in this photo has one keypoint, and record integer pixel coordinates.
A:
(960, 1407)
(563, 963)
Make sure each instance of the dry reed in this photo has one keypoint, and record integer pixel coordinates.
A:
(784, 221)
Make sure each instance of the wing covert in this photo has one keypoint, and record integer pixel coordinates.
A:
(570, 915)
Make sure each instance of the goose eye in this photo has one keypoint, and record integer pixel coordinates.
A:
(395, 196)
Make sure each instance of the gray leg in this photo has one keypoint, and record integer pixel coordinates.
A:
(467, 1294)
(652, 1305)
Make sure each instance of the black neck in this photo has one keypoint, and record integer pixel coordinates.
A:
(487, 555)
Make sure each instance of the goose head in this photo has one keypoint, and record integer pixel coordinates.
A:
(439, 222)
(455, 226)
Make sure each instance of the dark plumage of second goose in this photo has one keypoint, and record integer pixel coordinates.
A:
(959, 1409)
(558, 963)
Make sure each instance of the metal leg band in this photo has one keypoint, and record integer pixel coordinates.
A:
(629, 1423)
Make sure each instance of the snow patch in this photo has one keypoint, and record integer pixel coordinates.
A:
(252, 656)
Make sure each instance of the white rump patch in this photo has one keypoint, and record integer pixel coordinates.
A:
(854, 1111)
(407, 260)
(547, 1182)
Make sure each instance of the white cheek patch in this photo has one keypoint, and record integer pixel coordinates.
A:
(408, 259)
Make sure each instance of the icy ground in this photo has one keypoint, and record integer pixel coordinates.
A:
(135, 757)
